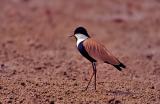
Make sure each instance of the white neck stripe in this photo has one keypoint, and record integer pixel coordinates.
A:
(80, 38)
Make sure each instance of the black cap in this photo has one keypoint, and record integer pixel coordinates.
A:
(81, 30)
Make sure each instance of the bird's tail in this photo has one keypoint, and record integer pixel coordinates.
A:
(120, 66)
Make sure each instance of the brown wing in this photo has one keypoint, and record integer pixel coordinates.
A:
(98, 51)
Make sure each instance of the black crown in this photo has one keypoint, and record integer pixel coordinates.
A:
(81, 30)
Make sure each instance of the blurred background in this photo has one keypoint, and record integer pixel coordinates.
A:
(39, 63)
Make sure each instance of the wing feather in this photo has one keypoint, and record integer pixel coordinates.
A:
(98, 51)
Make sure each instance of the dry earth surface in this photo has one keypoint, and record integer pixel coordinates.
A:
(39, 64)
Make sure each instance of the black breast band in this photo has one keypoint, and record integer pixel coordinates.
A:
(83, 51)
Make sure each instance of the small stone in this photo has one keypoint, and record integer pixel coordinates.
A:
(14, 72)
(57, 66)
(60, 98)
(38, 68)
(21, 102)
(65, 73)
(2, 65)
(52, 102)
(11, 98)
(118, 102)
(149, 56)
(111, 101)
(118, 20)
(23, 84)
(26, 0)
(152, 87)
(75, 84)
(9, 101)
(1, 87)
(73, 79)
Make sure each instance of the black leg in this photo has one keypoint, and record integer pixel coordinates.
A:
(89, 82)
(94, 73)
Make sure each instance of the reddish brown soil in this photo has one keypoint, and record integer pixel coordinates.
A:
(39, 64)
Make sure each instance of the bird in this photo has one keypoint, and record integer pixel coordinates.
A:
(94, 51)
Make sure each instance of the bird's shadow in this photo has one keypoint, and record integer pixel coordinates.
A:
(119, 93)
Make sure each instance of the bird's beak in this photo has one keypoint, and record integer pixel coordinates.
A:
(71, 35)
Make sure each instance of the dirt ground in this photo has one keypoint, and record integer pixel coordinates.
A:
(39, 63)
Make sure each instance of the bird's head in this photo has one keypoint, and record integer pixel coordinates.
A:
(80, 32)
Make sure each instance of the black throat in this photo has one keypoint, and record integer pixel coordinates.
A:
(84, 53)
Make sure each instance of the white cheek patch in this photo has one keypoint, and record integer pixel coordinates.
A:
(80, 38)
